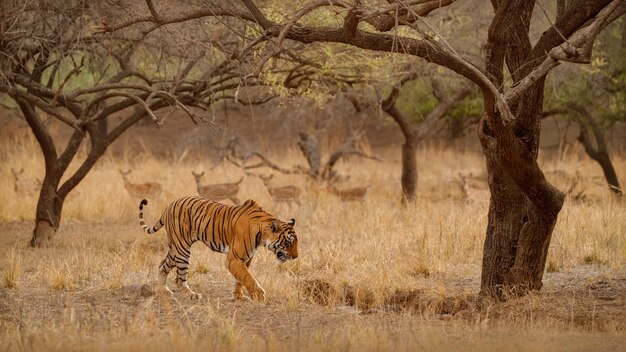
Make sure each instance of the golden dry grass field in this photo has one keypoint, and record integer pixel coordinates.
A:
(371, 275)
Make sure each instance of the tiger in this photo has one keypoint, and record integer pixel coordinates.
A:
(238, 231)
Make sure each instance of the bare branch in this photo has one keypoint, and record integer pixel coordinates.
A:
(106, 28)
(257, 15)
(389, 106)
(40, 103)
(154, 12)
(440, 110)
(133, 97)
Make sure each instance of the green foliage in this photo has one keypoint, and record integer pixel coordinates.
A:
(78, 71)
(599, 86)
(471, 106)
(416, 100)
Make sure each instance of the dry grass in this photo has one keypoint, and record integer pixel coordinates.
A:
(371, 275)
(13, 268)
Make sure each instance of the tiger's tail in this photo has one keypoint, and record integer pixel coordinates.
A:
(146, 228)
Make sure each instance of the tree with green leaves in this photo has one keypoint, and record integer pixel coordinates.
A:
(415, 133)
(594, 98)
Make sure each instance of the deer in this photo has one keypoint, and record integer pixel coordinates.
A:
(24, 185)
(348, 194)
(140, 190)
(285, 194)
(219, 191)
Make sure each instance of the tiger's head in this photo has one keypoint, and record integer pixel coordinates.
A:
(282, 240)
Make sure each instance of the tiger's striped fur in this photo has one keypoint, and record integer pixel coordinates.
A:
(235, 230)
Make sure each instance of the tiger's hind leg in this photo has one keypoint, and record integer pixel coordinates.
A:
(182, 270)
(164, 269)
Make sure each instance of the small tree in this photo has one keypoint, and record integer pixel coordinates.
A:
(414, 134)
(55, 64)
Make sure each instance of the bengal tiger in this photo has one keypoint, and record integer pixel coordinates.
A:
(235, 230)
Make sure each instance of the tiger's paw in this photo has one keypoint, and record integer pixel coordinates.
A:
(259, 295)
(239, 296)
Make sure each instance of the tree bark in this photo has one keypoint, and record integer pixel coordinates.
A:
(48, 213)
(409, 170)
(504, 223)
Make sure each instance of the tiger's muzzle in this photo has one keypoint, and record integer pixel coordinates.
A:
(283, 256)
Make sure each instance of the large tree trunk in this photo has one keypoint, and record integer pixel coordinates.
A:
(519, 229)
(505, 220)
(47, 216)
(49, 208)
(523, 208)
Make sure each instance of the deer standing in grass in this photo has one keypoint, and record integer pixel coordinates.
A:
(25, 185)
(286, 194)
(219, 191)
(140, 190)
(356, 193)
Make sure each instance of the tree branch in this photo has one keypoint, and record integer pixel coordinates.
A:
(257, 15)
(440, 110)
(40, 103)
(154, 12)
(46, 143)
(389, 106)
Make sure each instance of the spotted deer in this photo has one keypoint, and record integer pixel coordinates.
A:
(348, 194)
(25, 185)
(219, 191)
(286, 194)
(140, 190)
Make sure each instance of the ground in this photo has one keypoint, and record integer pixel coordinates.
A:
(579, 309)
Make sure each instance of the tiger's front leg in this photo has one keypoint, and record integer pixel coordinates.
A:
(240, 271)
(238, 292)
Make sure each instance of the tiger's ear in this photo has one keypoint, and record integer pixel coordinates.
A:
(275, 226)
(292, 222)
